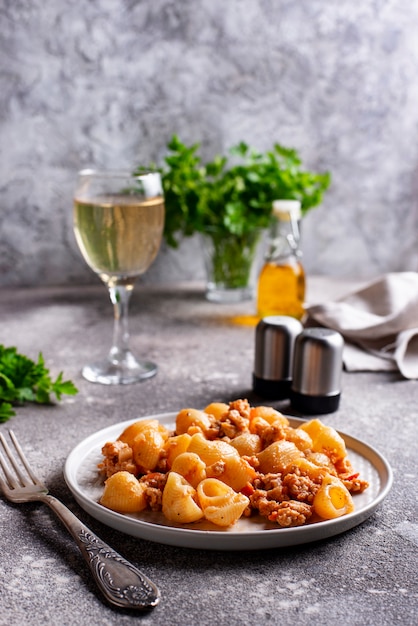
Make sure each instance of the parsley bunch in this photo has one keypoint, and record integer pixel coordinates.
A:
(233, 193)
(22, 380)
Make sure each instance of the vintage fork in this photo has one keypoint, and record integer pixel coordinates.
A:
(121, 583)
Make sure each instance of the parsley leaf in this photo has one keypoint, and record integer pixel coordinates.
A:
(233, 193)
(23, 380)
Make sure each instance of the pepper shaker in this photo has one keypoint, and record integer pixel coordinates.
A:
(274, 344)
(317, 369)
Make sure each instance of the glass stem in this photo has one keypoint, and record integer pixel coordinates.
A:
(120, 296)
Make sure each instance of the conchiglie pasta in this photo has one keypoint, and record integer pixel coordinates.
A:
(269, 414)
(247, 444)
(300, 438)
(325, 439)
(147, 447)
(123, 493)
(176, 445)
(211, 451)
(233, 471)
(321, 459)
(278, 457)
(221, 505)
(217, 409)
(332, 499)
(192, 420)
(130, 433)
(191, 467)
(313, 471)
(178, 501)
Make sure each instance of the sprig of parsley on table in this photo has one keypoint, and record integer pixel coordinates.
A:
(22, 380)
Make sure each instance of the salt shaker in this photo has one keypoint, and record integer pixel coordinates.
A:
(317, 369)
(274, 345)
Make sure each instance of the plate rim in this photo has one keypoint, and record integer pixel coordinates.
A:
(223, 539)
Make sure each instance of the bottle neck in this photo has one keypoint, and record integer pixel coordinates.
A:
(284, 238)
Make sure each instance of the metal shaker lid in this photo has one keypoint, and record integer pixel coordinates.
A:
(317, 365)
(274, 342)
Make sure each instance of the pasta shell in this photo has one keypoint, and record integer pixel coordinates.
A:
(247, 444)
(332, 499)
(193, 420)
(217, 409)
(299, 437)
(310, 469)
(147, 447)
(321, 459)
(221, 504)
(178, 502)
(131, 432)
(176, 445)
(124, 493)
(278, 457)
(191, 467)
(325, 439)
(233, 471)
(269, 414)
(213, 492)
(211, 451)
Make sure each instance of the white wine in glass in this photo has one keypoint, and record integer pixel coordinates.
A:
(118, 225)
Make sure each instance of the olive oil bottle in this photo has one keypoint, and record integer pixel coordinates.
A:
(281, 284)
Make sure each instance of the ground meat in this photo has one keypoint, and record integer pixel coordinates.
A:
(270, 434)
(155, 482)
(260, 502)
(236, 420)
(300, 488)
(286, 513)
(154, 498)
(214, 431)
(291, 513)
(233, 423)
(216, 469)
(277, 497)
(268, 481)
(276, 432)
(351, 479)
(242, 406)
(118, 457)
(354, 484)
(162, 465)
(228, 429)
(251, 460)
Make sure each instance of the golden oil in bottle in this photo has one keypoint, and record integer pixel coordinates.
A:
(281, 284)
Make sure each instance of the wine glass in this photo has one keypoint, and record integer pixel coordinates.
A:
(118, 225)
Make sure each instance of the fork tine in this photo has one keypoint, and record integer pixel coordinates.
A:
(11, 458)
(3, 485)
(23, 458)
(12, 482)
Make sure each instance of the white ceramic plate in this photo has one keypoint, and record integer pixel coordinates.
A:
(252, 533)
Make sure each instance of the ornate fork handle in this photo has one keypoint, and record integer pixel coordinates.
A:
(122, 584)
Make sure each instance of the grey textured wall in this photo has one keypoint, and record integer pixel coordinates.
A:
(107, 83)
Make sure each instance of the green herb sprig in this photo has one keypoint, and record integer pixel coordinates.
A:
(22, 380)
(232, 193)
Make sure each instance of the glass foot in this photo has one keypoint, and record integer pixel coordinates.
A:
(119, 372)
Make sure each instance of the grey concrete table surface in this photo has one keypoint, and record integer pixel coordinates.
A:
(367, 575)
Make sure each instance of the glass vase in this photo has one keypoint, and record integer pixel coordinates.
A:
(232, 263)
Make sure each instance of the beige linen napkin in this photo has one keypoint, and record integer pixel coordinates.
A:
(379, 323)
